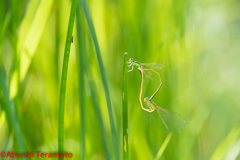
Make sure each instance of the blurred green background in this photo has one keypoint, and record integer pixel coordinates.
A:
(197, 41)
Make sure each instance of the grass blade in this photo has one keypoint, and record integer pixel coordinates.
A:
(96, 106)
(125, 108)
(28, 50)
(100, 119)
(64, 78)
(57, 43)
(5, 26)
(81, 79)
(163, 147)
(103, 76)
(223, 147)
(35, 32)
(9, 107)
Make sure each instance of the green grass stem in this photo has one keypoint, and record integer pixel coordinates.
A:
(125, 108)
(103, 75)
(57, 36)
(227, 143)
(64, 78)
(100, 119)
(96, 106)
(81, 78)
(9, 108)
(5, 26)
(163, 147)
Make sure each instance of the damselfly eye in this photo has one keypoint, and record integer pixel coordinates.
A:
(145, 99)
(130, 59)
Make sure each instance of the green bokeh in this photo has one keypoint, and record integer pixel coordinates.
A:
(197, 41)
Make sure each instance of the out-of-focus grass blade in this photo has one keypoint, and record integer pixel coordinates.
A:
(226, 144)
(96, 105)
(64, 78)
(11, 113)
(27, 51)
(57, 43)
(163, 147)
(3, 10)
(81, 73)
(234, 151)
(5, 26)
(103, 76)
(84, 69)
(30, 45)
(100, 119)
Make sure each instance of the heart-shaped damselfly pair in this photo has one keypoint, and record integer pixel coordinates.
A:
(169, 119)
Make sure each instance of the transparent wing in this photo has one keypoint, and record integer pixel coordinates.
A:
(154, 66)
(173, 120)
(164, 123)
(148, 75)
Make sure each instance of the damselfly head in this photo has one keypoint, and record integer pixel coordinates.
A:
(146, 99)
(131, 60)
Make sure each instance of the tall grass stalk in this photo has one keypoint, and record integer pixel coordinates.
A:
(125, 108)
(103, 76)
(100, 119)
(96, 106)
(81, 72)
(163, 147)
(57, 43)
(9, 108)
(5, 26)
(64, 78)
(228, 142)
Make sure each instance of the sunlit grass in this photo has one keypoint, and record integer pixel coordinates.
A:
(81, 73)
(197, 41)
(11, 114)
(115, 141)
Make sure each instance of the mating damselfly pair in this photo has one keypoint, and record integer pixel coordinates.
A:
(169, 119)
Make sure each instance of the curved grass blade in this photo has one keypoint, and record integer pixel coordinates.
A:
(163, 147)
(100, 119)
(32, 40)
(173, 120)
(226, 144)
(154, 66)
(96, 106)
(103, 76)
(64, 78)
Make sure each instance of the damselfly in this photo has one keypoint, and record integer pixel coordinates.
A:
(142, 66)
(169, 119)
(141, 88)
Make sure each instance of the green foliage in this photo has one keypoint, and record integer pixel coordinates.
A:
(103, 76)
(8, 107)
(197, 41)
(81, 73)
